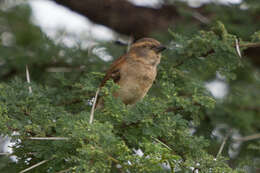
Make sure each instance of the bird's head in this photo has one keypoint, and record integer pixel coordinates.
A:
(149, 44)
(148, 49)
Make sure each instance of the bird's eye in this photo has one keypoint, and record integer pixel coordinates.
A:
(146, 46)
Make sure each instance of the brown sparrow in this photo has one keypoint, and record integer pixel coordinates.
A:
(135, 71)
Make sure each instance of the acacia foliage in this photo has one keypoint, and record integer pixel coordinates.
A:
(172, 126)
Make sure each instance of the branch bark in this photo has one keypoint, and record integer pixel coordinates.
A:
(124, 17)
(248, 138)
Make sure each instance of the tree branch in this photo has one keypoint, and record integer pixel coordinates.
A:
(123, 16)
(34, 166)
(248, 138)
(223, 143)
(48, 138)
(126, 18)
(257, 44)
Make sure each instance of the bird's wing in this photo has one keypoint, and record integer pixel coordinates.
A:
(114, 71)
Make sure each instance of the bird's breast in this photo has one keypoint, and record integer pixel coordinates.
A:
(136, 80)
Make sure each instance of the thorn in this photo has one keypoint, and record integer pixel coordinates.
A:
(238, 49)
(28, 78)
(93, 107)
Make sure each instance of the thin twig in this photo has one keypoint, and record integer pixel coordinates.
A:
(129, 43)
(248, 138)
(120, 42)
(63, 171)
(59, 69)
(28, 78)
(34, 166)
(223, 143)
(93, 107)
(112, 158)
(49, 138)
(256, 44)
(108, 156)
(200, 18)
(5, 154)
(157, 140)
(238, 49)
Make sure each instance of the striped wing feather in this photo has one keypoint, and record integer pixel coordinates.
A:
(114, 71)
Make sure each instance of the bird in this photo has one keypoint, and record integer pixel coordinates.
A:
(134, 71)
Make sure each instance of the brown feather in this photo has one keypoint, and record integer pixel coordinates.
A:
(114, 71)
(134, 72)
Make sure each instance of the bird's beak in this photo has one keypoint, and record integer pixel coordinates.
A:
(159, 48)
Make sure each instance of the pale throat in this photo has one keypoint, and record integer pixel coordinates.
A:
(153, 60)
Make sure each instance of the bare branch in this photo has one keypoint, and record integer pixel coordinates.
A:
(223, 143)
(125, 17)
(93, 107)
(257, 44)
(34, 166)
(166, 146)
(200, 17)
(248, 138)
(48, 138)
(28, 78)
(66, 170)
